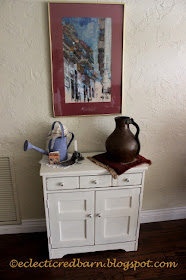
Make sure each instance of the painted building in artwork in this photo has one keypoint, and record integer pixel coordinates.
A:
(107, 58)
(79, 73)
(104, 55)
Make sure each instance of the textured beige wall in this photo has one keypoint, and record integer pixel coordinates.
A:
(155, 55)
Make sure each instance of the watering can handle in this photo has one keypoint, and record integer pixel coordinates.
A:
(70, 139)
(137, 133)
(62, 129)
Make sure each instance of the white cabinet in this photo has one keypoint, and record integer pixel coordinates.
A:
(86, 210)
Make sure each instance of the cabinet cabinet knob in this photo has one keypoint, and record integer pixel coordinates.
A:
(89, 215)
(126, 180)
(61, 184)
(99, 215)
(95, 182)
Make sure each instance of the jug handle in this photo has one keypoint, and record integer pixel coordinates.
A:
(137, 133)
(62, 129)
(70, 139)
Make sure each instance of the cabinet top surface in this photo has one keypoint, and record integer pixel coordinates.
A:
(85, 167)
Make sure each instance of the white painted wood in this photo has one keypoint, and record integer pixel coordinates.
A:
(92, 189)
(62, 183)
(95, 181)
(60, 252)
(46, 203)
(128, 179)
(116, 215)
(71, 219)
(160, 215)
(140, 207)
(95, 219)
(27, 226)
(85, 168)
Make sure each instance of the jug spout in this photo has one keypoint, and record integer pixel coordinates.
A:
(28, 146)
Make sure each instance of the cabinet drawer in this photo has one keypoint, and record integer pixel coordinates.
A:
(130, 179)
(95, 181)
(62, 183)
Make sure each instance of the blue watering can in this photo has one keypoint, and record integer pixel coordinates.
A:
(56, 144)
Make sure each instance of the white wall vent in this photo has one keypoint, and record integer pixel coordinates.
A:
(9, 210)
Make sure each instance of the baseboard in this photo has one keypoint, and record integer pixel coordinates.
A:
(147, 216)
(26, 226)
(159, 215)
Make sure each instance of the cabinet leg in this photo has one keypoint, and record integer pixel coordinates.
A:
(136, 246)
(132, 246)
(53, 255)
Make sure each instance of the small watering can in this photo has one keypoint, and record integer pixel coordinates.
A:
(55, 144)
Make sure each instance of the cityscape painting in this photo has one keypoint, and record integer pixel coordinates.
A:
(87, 59)
(86, 46)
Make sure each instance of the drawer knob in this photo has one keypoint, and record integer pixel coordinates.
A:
(95, 182)
(126, 180)
(99, 215)
(61, 184)
(89, 215)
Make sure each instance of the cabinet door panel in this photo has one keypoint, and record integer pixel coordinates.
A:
(70, 220)
(116, 215)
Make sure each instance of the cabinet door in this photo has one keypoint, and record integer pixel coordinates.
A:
(116, 215)
(71, 219)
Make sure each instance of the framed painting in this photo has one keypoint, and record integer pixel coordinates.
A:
(86, 42)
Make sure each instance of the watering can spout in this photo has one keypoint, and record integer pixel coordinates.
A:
(28, 146)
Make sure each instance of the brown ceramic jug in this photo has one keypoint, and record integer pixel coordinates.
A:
(122, 145)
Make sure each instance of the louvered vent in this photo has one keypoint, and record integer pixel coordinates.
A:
(9, 213)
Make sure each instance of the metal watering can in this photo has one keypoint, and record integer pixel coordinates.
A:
(56, 144)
